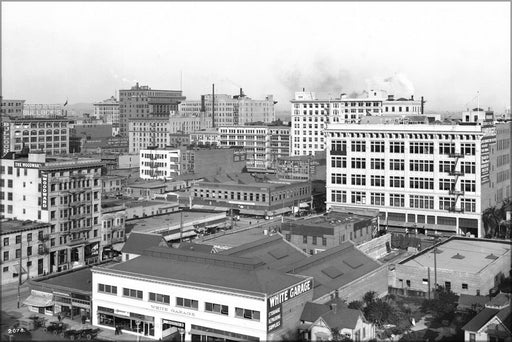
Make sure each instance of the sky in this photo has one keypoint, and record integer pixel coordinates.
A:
(452, 53)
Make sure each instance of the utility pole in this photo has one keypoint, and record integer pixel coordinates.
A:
(435, 271)
(20, 270)
(181, 225)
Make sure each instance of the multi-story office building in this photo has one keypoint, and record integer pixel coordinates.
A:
(168, 163)
(430, 177)
(141, 102)
(108, 111)
(38, 110)
(12, 107)
(310, 115)
(159, 163)
(38, 134)
(112, 232)
(23, 244)
(143, 133)
(208, 137)
(180, 123)
(64, 192)
(301, 168)
(231, 110)
(263, 144)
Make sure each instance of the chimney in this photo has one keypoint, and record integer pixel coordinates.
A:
(203, 108)
(334, 307)
(303, 89)
(241, 93)
(412, 97)
(213, 105)
(391, 97)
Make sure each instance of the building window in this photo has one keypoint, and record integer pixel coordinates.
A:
(187, 303)
(304, 239)
(6, 255)
(324, 241)
(159, 298)
(472, 337)
(216, 308)
(107, 289)
(464, 286)
(132, 293)
(6, 241)
(314, 240)
(247, 314)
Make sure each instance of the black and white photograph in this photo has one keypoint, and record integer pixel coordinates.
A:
(219, 171)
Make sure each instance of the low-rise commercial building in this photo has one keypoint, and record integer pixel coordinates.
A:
(148, 189)
(200, 296)
(24, 250)
(250, 195)
(137, 209)
(462, 265)
(314, 235)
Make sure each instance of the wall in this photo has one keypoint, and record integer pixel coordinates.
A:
(376, 248)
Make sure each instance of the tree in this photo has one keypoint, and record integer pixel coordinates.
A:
(369, 297)
(356, 304)
(442, 306)
(495, 222)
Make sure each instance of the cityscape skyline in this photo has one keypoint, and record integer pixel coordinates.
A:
(86, 52)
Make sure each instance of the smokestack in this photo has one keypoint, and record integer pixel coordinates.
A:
(412, 97)
(391, 97)
(203, 108)
(213, 105)
(241, 93)
(422, 105)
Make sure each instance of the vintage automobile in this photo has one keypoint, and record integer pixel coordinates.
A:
(55, 327)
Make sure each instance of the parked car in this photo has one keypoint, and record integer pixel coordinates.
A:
(90, 333)
(71, 334)
(55, 327)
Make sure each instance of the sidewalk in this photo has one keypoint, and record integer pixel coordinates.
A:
(104, 334)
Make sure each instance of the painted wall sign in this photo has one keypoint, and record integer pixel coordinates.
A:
(275, 303)
(44, 191)
(28, 165)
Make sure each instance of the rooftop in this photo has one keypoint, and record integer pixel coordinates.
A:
(462, 254)
(14, 226)
(131, 203)
(329, 221)
(334, 267)
(138, 242)
(274, 251)
(80, 279)
(232, 239)
(245, 179)
(210, 270)
(170, 221)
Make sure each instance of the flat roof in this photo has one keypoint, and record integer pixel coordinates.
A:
(131, 203)
(158, 222)
(331, 220)
(78, 280)
(210, 270)
(462, 254)
(233, 238)
(14, 226)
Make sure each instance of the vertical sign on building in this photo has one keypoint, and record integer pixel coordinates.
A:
(44, 191)
(275, 303)
(488, 139)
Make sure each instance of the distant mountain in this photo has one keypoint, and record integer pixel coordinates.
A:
(81, 108)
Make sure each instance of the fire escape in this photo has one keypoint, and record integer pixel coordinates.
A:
(455, 157)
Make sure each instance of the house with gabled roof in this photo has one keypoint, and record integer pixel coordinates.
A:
(493, 323)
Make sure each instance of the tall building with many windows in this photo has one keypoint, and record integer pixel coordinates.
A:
(263, 144)
(430, 177)
(108, 111)
(231, 110)
(142, 102)
(310, 115)
(50, 135)
(64, 192)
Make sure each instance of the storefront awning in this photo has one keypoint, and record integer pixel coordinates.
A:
(176, 236)
(252, 212)
(39, 300)
(212, 334)
(282, 211)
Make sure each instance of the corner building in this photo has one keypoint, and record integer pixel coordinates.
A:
(66, 193)
(430, 177)
(166, 293)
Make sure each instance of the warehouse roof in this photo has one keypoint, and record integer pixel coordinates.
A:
(335, 267)
(210, 270)
(138, 242)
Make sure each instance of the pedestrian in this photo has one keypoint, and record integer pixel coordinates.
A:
(117, 330)
(59, 317)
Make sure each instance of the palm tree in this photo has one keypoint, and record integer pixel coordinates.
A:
(490, 218)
